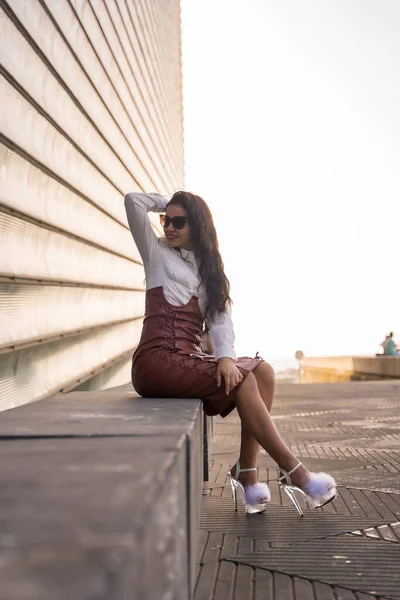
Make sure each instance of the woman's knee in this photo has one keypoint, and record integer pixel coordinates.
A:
(249, 384)
(265, 375)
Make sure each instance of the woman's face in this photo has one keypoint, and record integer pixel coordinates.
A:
(178, 238)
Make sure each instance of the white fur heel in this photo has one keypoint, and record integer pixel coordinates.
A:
(251, 494)
(318, 491)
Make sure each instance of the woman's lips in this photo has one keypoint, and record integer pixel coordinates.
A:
(171, 237)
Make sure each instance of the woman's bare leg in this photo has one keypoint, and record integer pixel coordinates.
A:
(249, 446)
(257, 421)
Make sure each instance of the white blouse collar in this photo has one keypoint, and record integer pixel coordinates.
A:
(185, 254)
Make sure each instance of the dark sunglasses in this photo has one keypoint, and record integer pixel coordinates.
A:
(177, 222)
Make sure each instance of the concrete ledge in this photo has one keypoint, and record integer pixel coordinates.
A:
(349, 368)
(100, 497)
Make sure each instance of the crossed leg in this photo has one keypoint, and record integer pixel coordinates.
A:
(254, 401)
(249, 447)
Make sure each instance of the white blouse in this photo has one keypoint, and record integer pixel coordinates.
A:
(176, 271)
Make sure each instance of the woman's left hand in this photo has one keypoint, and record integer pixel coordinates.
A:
(229, 371)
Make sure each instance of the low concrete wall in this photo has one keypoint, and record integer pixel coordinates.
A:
(100, 497)
(349, 368)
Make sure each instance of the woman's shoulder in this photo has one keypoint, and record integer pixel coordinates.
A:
(162, 242)
(165, 252)
(163, 248)
(166, 249)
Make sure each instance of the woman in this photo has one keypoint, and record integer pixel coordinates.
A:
(186, 286)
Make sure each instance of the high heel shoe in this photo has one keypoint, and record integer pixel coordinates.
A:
(318, 491)
(250, 493)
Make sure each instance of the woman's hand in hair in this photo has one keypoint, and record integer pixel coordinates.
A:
(229, 371)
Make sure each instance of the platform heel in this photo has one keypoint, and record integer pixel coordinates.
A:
(250, 494)
(319, 490)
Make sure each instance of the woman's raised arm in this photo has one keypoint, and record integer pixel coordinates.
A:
(137, 205)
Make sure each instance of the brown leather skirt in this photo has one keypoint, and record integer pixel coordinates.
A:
(169, 362)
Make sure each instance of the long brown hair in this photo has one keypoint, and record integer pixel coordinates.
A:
(206, 249)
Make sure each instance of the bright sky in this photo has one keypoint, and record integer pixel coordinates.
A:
(292, 125)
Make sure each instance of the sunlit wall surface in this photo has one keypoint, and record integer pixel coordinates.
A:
(91, 108)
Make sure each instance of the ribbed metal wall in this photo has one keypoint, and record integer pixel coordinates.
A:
(91, 108)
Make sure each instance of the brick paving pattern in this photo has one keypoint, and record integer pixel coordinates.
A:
(349, 549)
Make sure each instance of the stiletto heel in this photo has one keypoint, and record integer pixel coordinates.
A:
(234, 493)
(318, 491)
(250, 493)
(292, 496)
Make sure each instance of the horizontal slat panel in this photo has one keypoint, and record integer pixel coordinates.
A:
(41, 371)
(31, 251)
(128, 52)
(151, 40)
(142, 34)
(133, 25)
(48, 146)
(153, 97)
(47, 91)
(118, 374)
(87, 41)
(148, 85)
(106, 42)
(91, 109)
(171, 18)
(32, 312)
(27, 189)
(162, 46)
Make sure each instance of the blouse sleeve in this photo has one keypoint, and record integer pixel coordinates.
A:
(222, 335)
(137, 206)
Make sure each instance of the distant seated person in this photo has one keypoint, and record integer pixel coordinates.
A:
(389, 346)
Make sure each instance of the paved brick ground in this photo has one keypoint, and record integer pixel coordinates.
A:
(348, 550)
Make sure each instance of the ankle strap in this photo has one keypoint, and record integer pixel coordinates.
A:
(287, 474)
(238, 470)
(295, 468)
